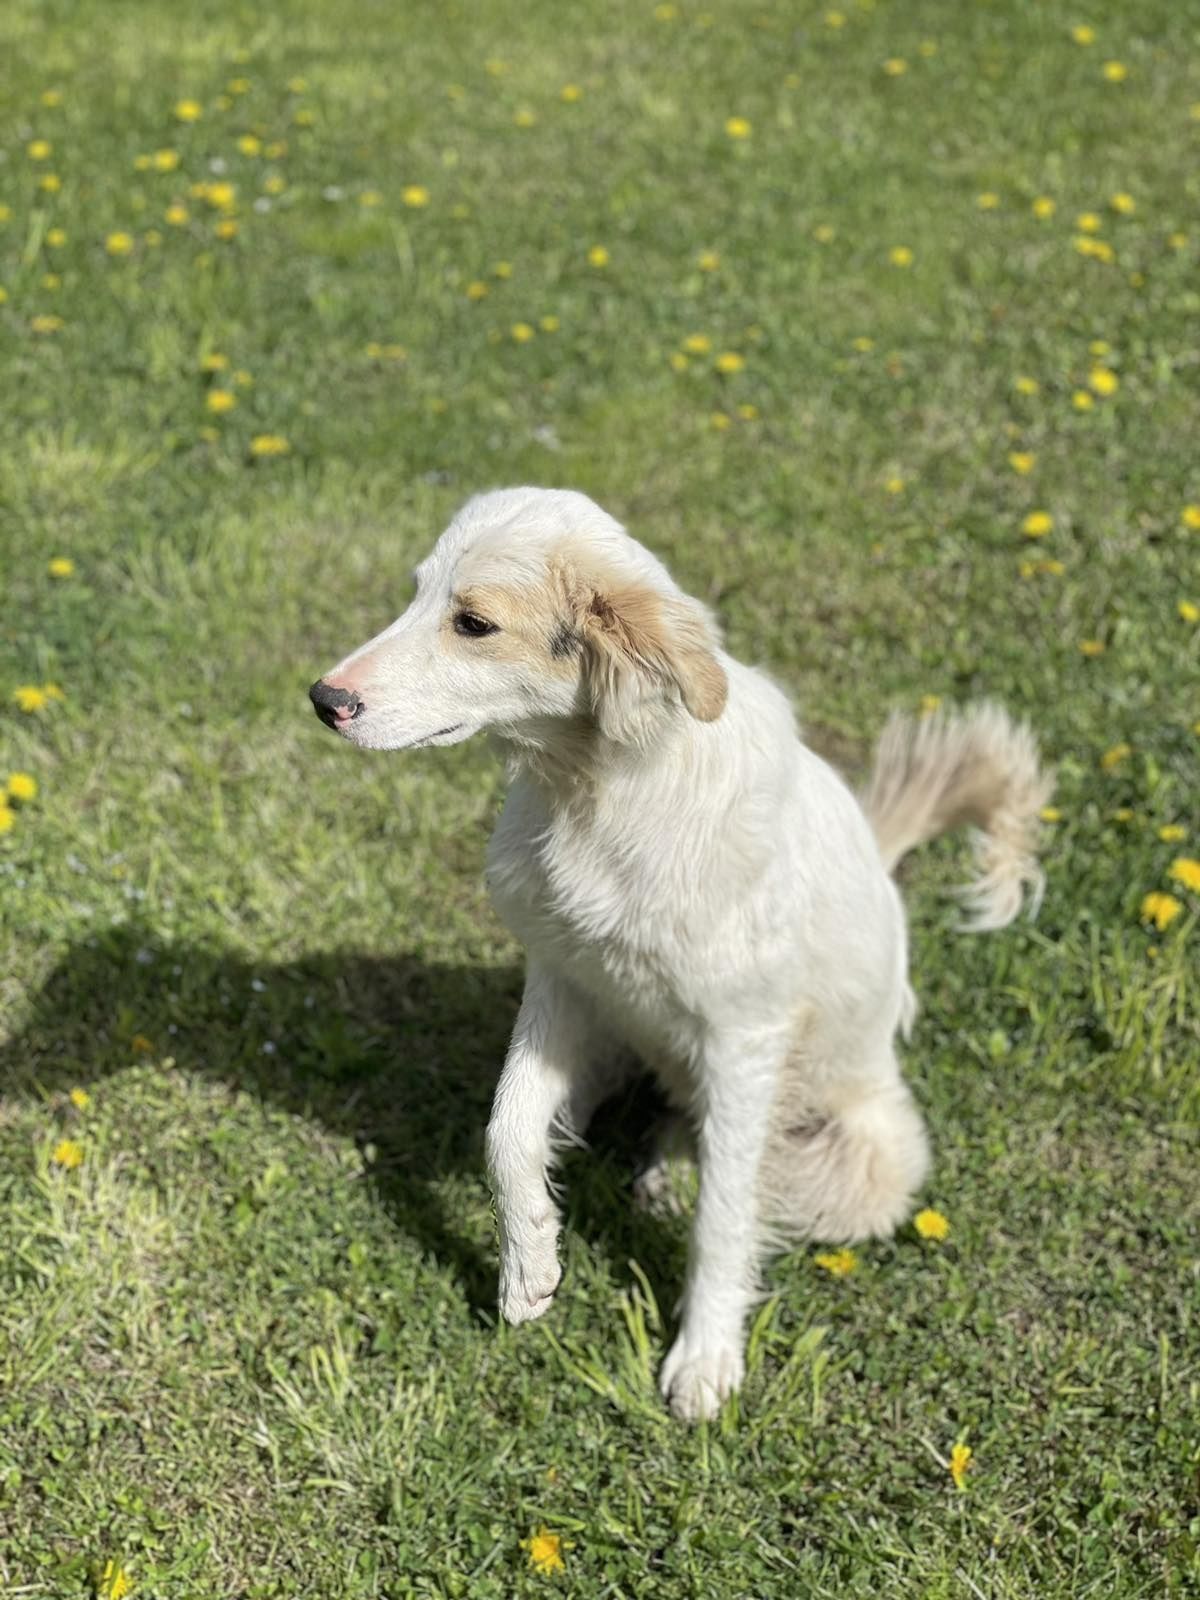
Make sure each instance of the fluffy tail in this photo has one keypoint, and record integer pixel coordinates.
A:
(978, 767)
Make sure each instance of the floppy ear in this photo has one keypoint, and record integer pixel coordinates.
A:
(642, 647)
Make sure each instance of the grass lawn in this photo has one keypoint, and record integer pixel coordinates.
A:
(826, 305)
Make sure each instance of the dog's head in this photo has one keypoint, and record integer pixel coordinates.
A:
(535, 608)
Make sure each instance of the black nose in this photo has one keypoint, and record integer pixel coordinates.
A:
(334, 706)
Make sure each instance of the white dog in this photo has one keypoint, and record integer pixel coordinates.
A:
(690, 882)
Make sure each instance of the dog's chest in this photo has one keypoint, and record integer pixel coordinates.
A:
(585, 903)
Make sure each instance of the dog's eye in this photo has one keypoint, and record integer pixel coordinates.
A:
(473, 627)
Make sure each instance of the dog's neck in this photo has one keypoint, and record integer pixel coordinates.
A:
(570, 761)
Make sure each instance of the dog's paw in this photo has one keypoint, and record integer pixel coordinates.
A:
(696, 1380)
(529, 1279)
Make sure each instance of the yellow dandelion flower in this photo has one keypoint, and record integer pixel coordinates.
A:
(1082, 400)
(1190, 516)
(524, 118)
(166, 160)
(835, 19)
(1189, 611)
(729, 361)
(931, 1224)
(863, 344)
(1123, 203)
(748, 412)
(545, 1548)
(269, 444)
(1172, 832)
(1037, 525)
(297, 85)
(51, 183)
(1122, 814)
(477, 289)
(115, 1584)
(1082, 34)
(1092, 648)
(304, 118)
(238, 86)
(1022, 461)
(894, 485)
(738, 128)
(570, 93)
(1186, 870)
(929, 703)
(824, 233)
(1112, 758)
(988, 200)
(21, 786)
(221, 196)
(1160, 909)
(960, 1460)
(1027, 386)
(1043, 207)
(220, 400)
(1103, 380)
(708, 261)
(720, 421)
(29, 698)
(1100, 347)
(56, 237)
(1089, 222)
(119, 244)
(549, 324)
(226, 229)
(176, 215)
(502, 269)
(679, 362)
(60, 566)
(900, 256)
(46, 323)
(895, 66)
(8, 817)
(214, 362)
(80, 1099)
(53, 692)
(39, 150)
(249, 144)
(838, 1262)
(274, 183)
(598, 256)
(67, 1153)
(1115, 71)
(415, 195)
(52, 97)
(51, 281)
(521, 332)
(188, 110)
(698, 344)
(1177, 241)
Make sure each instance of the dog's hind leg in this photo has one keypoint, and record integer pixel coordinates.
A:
(845, 1156)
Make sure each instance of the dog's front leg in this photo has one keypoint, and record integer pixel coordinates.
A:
(705, 1364)
(545, 1078)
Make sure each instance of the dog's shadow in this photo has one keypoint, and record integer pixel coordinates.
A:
(401, 1055)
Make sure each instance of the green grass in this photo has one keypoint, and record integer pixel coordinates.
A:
(247, 1347)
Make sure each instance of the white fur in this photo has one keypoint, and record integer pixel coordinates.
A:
(708, 893)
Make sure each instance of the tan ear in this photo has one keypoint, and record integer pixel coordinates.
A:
(642, 645)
